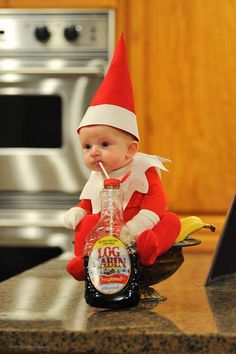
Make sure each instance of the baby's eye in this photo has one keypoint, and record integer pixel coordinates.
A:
(105, 144)
(87, 146)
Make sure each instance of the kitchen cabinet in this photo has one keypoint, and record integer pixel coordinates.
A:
(62, 3)
(182, 59)
(3, 3)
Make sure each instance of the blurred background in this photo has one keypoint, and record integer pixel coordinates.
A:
(182, 62)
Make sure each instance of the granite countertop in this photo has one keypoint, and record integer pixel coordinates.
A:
(43, 310)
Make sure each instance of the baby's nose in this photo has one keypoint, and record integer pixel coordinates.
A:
(94, 150)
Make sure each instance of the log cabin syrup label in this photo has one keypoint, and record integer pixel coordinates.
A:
(109, 265)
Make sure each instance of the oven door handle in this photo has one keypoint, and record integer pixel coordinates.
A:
(88, 70)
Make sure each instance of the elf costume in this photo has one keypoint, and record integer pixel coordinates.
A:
(144, 206)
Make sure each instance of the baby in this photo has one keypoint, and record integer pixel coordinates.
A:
(109, 134)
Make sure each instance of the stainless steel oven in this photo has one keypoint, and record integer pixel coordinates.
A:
(51, 63)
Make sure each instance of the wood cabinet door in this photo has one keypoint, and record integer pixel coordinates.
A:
(182, 56)
(3, 3)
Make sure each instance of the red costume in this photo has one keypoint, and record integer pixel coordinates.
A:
(151, 242)
(145, 206)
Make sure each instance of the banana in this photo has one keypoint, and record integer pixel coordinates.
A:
(191, 224)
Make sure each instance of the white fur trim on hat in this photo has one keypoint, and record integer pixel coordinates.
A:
(111, 115)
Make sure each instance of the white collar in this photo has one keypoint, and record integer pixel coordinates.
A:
(137, 180)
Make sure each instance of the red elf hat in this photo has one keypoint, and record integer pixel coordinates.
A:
(113, 103)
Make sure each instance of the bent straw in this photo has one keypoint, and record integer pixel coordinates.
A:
(103, 169)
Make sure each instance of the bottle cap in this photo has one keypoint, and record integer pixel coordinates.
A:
(114, 182)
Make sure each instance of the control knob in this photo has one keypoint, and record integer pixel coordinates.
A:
(71, 33)
(42, 33)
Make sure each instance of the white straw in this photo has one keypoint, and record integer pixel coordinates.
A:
(103, 169)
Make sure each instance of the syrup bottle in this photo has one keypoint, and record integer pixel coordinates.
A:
(111, 267)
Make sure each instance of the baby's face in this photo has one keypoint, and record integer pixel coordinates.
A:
(111, 146)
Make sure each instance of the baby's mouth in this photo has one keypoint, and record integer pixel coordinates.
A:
(96, 165)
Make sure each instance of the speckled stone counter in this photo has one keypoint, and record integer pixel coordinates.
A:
(43, 310)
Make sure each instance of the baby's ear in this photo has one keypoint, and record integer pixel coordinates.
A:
(132, 149)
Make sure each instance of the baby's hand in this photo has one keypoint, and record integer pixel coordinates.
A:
(73, 217)
(126, 235)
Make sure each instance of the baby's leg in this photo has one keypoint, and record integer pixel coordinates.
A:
(152, 243)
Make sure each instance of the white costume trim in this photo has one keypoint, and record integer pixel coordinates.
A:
(112, 115)
(137, 181)
(144, 220)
